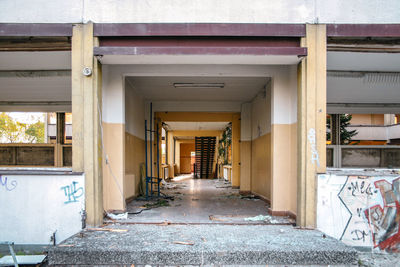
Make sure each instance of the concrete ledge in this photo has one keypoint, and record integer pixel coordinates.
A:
(210, 244)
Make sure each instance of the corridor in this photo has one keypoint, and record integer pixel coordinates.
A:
(201, 201)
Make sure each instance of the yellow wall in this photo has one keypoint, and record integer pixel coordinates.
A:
(261, 166)
(245, 166)
(284, 167)
(134, 156)
(185, 157)
(114, 145)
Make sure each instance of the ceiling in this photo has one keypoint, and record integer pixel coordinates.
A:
(353, 61)
(196, 126)
(162, 88)
(49, 60)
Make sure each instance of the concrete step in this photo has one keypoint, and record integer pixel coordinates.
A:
(126, 244)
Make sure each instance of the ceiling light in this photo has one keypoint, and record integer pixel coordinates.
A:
(199, 85)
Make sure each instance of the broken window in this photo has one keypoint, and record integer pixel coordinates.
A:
(33, 139)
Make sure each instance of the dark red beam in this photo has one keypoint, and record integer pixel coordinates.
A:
(35, 29)
(199, 29)
(284, 51)
(363, 30)
(202, 41)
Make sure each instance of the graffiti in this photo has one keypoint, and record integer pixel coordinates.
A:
(9, 185)
(385, 222)
(366, 208)
(314, 152)
(72, 193)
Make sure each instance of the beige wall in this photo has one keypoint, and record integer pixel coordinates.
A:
(245, 166)
(114, 140)
(284, 167)
(134, 157)
(261, 166)
(368, 119)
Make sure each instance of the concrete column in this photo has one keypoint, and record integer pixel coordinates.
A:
(311, 123)
(389, 119)
(86, 135)
(236, 150)
(335, 129)
(60, 139)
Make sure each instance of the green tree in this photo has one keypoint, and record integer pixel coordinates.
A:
(345, 135)
(11, 130)
(35, 132)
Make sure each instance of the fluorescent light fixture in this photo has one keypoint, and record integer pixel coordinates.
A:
(199, 85)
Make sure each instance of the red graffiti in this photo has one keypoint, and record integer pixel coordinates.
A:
(385, 222)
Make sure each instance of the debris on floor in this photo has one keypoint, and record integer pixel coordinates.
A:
(266, 218)
(121, 216)
(158, 203)
(190, 243)
(107, 230)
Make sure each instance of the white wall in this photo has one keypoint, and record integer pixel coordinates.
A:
(355, 208)
(113, 96)
(261, 114)
(245, 122)
(134, 111)
(36, 206)
(284, 95)
(237, 11)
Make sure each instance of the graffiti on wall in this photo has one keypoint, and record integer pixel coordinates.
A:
(7, 184)
(361, 210)
(313, 143)
(72, 192)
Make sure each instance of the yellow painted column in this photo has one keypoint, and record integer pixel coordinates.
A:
(236, 150)
(170, 160)
(86, 135)
(311, 123)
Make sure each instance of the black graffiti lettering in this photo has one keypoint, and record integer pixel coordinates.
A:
(359, 211)
(359, 235)
(361, 188)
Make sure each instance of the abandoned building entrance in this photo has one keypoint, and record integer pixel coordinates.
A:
(189, 134)
(230, 102)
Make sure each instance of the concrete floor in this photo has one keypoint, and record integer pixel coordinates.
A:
(205, 244)
(200, 201)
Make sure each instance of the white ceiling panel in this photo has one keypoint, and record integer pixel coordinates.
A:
(196, 126)
(162, 88)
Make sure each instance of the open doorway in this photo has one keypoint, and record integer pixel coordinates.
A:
(230, 105)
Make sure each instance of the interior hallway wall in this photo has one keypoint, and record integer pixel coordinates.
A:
(284, 140)
(261, 144)
(185, 157)
(245, 148)
(113, 117)
(134, 140)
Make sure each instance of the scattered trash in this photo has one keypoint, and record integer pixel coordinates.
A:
(281, 230)
(203, 239)
(165, 223)
(266, 218)
(224, 186)
(108, 230)
(138, 212)
(250, 197)
(121, 216)
(158, 203)
(213, 218)
(190, 243)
